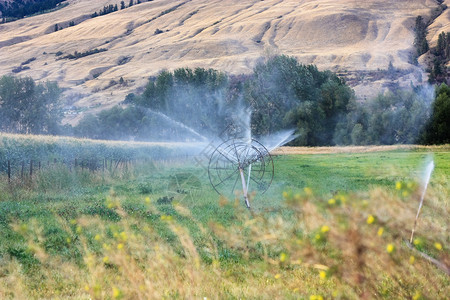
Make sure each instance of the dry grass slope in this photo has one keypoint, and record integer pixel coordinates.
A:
(344, 36)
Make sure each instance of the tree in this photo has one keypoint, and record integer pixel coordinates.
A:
(284, 93)
(20, 8)
(441, 44)
(438, 128)
(447, 47)
(420, 40)
(29, 108)
(88, 127)
(131, 3)
(122, 5)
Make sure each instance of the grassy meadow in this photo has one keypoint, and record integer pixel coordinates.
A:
(331, 226)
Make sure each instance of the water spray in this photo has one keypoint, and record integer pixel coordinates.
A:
(426, 179)
(178, 124)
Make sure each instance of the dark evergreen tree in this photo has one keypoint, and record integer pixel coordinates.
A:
(420, 40)
(441, 44)
(438, 128)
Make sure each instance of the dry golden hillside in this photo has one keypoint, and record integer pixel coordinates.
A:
(346, 36)
(442, 23)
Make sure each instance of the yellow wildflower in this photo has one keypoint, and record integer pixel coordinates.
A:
(370, 219)
(417, 296)
(390, 248)
(147, 199)
(277, 276)
(97, 237)
(412, 259)
(120, 246)
(105, 259)
(398, 185)
(283, 257)
(166, 218)
(123, 236)
(332, 201)
(325, 229)
(322, 274)
(380, 231)
(116, 293)
(438, 246)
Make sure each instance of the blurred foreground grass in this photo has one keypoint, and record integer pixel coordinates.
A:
(331, 227)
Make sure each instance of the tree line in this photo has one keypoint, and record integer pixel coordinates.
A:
(21, 8)
(281, 93)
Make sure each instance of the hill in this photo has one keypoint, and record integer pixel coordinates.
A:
(357, 39)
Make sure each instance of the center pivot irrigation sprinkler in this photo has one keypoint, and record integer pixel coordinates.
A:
(247, 162)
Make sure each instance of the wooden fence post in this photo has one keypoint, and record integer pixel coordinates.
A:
(9, 171)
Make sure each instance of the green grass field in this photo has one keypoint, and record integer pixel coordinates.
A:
(331, 226)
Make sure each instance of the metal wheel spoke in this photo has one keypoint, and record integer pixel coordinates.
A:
(234, 155)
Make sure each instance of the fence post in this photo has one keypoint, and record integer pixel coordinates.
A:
(9, 171)
(31, 169)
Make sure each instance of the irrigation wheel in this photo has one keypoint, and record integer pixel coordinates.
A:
(237, 165)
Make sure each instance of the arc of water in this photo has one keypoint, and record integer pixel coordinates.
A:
(178, 123)
(428, 171)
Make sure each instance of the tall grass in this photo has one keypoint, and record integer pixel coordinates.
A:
(130, 234)
(346, 248)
